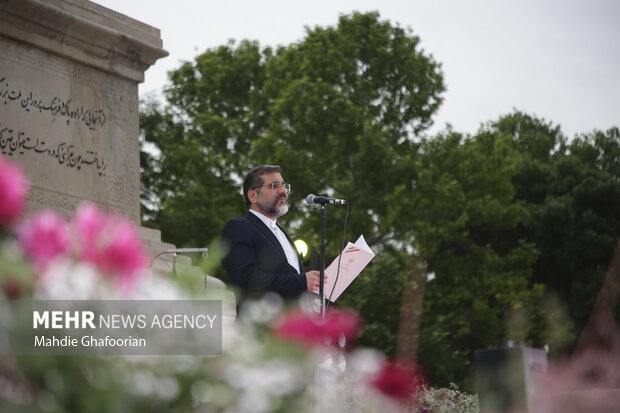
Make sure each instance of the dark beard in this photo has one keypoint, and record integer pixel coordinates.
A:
(273, 209)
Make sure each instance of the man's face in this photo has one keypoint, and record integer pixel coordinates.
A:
(272, 202)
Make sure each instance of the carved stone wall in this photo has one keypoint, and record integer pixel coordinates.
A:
(69, 74)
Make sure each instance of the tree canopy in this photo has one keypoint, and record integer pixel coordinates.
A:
(495, 236)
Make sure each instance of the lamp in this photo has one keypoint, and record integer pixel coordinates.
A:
(307, 252)
(302, 246)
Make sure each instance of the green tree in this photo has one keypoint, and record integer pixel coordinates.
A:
(202, 139)
(479, 292)
(469, 229)
(510, 211)
(571, 191)
(348, 104)
(333, 110)
(339, 111)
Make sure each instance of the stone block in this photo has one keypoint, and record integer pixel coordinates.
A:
(69, 73)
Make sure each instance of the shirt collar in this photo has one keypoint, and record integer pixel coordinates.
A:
(271, 223)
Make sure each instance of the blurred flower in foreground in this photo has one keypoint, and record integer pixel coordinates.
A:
(43, 237)
(449, 399)
(110, 241)
(398, 379)
(123, 253)
(308, 330)
(589, 379)
(372, 382)
(11, 288)
(87, 223)
(13, 191)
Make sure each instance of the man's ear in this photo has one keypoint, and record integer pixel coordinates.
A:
(253, 196)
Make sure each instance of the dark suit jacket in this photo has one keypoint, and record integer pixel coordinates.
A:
(255, 260)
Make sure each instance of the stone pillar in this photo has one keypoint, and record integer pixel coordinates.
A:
(69, 74)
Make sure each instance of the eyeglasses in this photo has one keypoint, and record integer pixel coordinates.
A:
(276, 185)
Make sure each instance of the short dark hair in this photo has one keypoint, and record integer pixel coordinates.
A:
(253, 179)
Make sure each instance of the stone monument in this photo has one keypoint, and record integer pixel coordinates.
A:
(69, 75)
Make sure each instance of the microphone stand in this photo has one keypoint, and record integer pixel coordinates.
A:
(321, 295)
(322, 261)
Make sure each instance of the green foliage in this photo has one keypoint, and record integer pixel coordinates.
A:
(383, 278)
(572, 194)
(465, 208)
(324, 109)
(520, 236)
(517, 224)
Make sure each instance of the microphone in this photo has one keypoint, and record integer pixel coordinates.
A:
(312, 199)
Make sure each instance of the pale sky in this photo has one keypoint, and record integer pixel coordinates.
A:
(556, 59)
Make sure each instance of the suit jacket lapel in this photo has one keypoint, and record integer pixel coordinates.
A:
(301, 264)
(267, 232)
(271, 237)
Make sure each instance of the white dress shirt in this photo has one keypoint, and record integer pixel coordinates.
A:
(289, 250)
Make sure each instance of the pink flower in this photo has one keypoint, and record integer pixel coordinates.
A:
(123, 252)
(311, 331)
(87, 224)
(109, 241)
(398, 379)
(13, 191)
(43, 237)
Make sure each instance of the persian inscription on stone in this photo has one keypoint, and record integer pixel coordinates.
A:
(14, 141)
(56, 106)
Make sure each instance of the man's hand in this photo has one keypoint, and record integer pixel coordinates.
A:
(313, 279)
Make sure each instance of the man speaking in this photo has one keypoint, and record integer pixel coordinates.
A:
(256, 252)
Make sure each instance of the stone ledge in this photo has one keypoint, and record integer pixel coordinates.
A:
(84, 32)
(150, 234)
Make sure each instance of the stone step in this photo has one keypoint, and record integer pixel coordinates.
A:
(149, 234)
